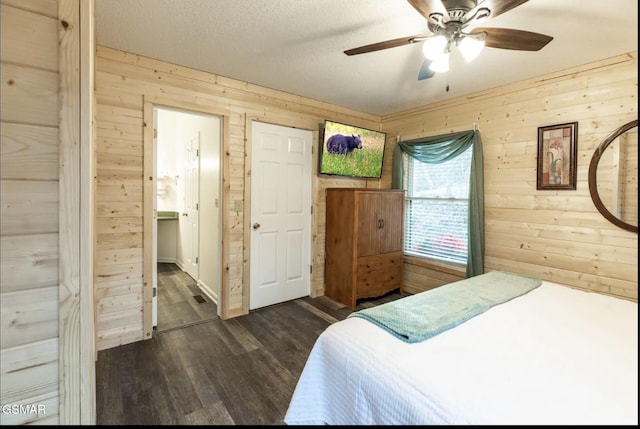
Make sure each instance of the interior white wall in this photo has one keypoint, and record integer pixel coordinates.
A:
(168, 169)
(167, 241)
(167, 166)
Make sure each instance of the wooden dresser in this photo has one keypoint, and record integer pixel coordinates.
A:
(364, 243)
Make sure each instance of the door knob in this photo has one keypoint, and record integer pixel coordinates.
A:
(185, 214)
(256, 225)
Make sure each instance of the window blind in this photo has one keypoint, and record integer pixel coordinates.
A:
(437, 209)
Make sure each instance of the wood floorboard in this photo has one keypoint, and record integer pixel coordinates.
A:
(165, 410)
(107, 396)
(242, 336)
(149, 383)
(291, 348)
(174, 367)
(177, 305)
(214, 414)
(241, 371)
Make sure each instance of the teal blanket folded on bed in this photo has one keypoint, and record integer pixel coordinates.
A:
(421, 316)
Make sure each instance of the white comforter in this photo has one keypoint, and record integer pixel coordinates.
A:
(553, 356)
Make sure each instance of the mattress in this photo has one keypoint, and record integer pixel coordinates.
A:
(553, 356)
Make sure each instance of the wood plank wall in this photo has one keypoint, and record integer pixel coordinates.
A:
(29, 231)
(566, 240)
(124, 83)
(47, 347)
(30, 202)
(557, 235)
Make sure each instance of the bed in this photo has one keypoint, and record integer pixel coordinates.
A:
(551, 355)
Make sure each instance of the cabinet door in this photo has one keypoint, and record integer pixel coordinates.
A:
(368, 223)
(391, 213)
(380, 222)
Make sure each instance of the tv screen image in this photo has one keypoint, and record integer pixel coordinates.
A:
(351, 151)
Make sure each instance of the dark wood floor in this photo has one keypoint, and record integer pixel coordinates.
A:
(239, 371)
(180, 300)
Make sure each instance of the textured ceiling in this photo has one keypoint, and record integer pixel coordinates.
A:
(297, 45)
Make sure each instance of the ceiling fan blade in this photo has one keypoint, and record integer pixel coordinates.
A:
(517, 40)
(425, 72)
(427, 7)
(497, 7)
(386, 45)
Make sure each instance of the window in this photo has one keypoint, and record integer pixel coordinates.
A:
(436, 224)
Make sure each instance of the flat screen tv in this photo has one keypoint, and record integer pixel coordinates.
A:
(351, 151)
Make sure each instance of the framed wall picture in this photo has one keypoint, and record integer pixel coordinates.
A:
(557, 156)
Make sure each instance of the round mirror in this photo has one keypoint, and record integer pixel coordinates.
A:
(613, 177)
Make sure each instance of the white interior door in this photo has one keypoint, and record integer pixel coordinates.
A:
(154, 238)
(280, 214)
(191, 206)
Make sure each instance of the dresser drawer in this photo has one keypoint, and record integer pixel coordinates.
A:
(379, 274)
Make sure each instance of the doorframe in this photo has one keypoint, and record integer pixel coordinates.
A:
(150, 182)
(246, 271)
(154, 227)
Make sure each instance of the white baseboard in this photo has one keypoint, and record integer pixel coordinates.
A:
(213, 296)
(167, 260)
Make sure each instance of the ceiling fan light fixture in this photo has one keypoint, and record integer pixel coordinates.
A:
(441, 63)
(454, 24)
(434, 47)
(470, 47)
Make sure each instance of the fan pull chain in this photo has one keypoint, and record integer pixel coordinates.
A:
(447, 88)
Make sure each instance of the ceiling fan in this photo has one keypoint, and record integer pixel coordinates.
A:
(454, 24)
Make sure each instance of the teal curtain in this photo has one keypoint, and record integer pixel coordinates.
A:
(438, 149)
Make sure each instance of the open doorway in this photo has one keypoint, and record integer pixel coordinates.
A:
(186, 231)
